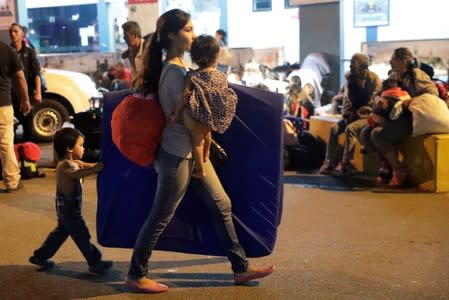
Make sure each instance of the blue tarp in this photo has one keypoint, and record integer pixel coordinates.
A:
(252, 176)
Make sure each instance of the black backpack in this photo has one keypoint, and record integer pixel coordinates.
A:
(306, 156)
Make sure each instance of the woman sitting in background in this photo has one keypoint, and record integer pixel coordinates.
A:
(384, 139)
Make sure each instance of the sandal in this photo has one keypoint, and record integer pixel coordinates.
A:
(399, 178)
(327, 167)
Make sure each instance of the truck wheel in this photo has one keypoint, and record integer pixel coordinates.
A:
(48, 117)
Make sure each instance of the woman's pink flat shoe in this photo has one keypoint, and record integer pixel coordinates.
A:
(251, 274)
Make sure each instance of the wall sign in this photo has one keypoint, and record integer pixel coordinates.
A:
(371, 13)
(7, 13)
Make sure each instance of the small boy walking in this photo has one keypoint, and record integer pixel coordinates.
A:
(68, 145)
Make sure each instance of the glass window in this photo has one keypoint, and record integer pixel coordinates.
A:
(261, 5)
(64, 29)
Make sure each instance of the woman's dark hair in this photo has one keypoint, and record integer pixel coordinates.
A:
(405, 54)
(171, 21)
(65, 138)
(204, 50)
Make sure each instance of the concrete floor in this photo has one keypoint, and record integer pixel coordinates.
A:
(331, 245)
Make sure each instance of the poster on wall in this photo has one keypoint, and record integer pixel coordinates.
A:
(371, 13)
(7, 13)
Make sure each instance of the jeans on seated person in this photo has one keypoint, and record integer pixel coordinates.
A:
(352, 131)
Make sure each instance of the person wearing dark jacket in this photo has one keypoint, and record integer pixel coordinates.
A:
(361, 85)
(31, 68)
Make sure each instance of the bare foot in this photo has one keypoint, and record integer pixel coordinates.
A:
(253, 273)
(146, 285)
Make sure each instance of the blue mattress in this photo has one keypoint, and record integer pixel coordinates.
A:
(252, 176)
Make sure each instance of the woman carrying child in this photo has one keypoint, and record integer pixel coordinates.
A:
(165, 75)
(207, 103)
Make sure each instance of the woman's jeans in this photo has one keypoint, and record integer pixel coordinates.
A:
(384, 139)
(174, 175)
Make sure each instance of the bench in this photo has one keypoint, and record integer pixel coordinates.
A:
(426, 156)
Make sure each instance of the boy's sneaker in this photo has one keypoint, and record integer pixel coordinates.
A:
(43, 263)
(101, 266)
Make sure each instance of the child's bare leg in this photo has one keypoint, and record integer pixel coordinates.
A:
(198, 132)
(198, 153)
(207, 142)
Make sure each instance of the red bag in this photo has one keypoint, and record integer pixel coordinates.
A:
(137, 124)
(31, 151)
(443, 89)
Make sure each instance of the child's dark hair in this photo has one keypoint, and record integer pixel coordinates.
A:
(65, 138)
(389, 83)
(204, 50)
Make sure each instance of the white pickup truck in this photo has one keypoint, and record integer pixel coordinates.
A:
(67, 93)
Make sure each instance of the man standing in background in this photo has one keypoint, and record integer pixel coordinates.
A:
(224, 56)
(31, 69)
(136, 46)
(10, 66)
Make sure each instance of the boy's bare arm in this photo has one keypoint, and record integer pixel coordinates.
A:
(85, 169)
(86, 165)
